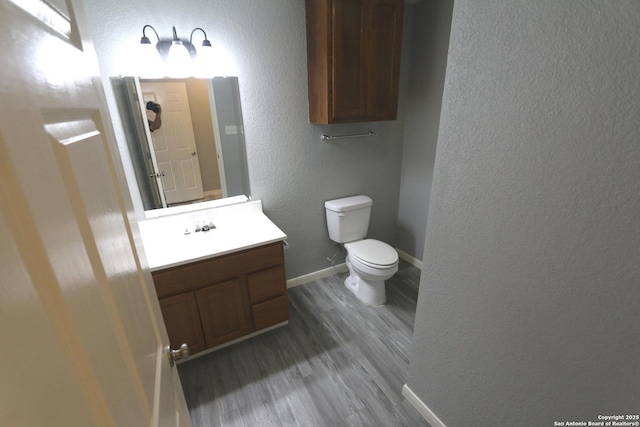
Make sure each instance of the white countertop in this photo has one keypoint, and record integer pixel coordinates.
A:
(238, 227)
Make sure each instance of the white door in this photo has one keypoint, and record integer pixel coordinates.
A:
(174, 143)
(83, 341)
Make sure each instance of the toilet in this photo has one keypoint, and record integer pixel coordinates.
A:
(370, 262)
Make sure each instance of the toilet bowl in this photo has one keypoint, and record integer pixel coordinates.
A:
(370, 262)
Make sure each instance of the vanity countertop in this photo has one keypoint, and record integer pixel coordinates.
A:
(238, 227)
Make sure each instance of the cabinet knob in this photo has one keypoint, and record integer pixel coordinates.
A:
(179, 354)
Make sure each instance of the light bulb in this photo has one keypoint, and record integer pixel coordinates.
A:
(178, 59)
(149, 62)
(178, 53)
(205, 63)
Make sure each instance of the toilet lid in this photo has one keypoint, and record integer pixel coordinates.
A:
(373, 252)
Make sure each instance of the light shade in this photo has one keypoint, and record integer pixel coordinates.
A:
(178, 60)
(178, 53)
(147, 61)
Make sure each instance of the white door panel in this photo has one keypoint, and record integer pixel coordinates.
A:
(83, 337)
(42, 376)
(174, 143)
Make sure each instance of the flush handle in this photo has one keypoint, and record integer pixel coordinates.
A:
(180, 354)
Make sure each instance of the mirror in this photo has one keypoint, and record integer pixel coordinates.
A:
(192, 149)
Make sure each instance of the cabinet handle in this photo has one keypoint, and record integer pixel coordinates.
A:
(179, 354)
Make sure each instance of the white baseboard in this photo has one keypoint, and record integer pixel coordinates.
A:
(340, 268)
(411, 260)
(423, 409)
(213, 194)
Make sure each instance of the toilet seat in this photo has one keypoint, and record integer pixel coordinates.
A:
(373, 253)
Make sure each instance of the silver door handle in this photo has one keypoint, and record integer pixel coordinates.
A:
(180, 354)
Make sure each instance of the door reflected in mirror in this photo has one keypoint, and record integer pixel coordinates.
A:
(185, 138)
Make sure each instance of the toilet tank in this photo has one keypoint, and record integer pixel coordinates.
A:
(348, 218)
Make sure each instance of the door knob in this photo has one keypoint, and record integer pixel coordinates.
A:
(179, 354)
(193, 153)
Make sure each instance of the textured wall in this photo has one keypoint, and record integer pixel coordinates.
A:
(291, 170)
(429, 45)
(528, 306)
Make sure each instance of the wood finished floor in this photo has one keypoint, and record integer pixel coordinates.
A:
(337, 363)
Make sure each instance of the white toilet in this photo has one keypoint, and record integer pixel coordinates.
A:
(370, 261)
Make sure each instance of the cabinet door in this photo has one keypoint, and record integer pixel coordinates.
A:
(353, 59)
(384, 43)
(349, 86)
(180, 313)
(224, 312)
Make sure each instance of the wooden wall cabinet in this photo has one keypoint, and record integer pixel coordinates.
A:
(353, 59)
(210, 302)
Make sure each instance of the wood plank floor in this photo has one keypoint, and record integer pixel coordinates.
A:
(337, 363)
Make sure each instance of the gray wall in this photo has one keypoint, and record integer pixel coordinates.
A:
(291, 170)
(228, 111)
(528, 304)
(428, 51)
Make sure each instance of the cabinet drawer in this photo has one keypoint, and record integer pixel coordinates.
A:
(270, 312)
(266, 283)
(191, 277)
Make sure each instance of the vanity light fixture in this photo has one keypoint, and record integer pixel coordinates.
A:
(175, 50)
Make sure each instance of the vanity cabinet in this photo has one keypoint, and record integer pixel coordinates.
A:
(353, 59)
(210, 302)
